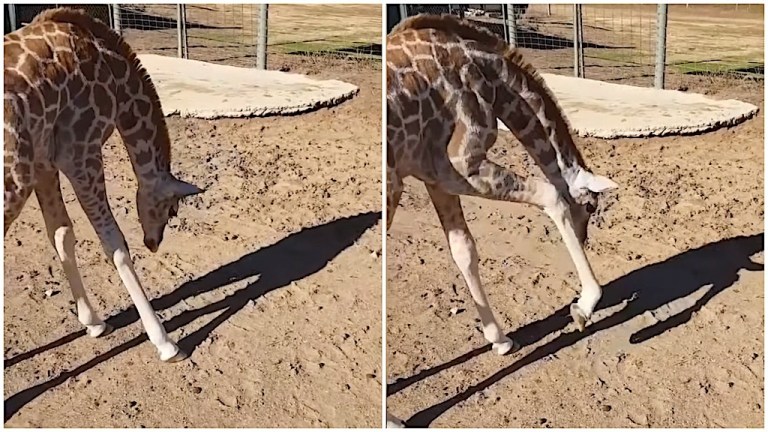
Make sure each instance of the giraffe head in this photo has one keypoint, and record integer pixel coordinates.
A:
(586, 190)
(158, 203)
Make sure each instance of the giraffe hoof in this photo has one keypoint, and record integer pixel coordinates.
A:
(579, 317)
(171, 353)
(507, 346)
(179, 356)
(100, 330)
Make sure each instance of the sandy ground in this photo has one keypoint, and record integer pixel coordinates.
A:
(271, 278)
(678, 339)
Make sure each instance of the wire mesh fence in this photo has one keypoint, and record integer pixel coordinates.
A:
(716, 39)
(149, 29)
(619, 42)
(346, 30)
(229, 33)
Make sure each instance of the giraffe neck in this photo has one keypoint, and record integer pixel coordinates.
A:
(542, 122)
(469, 58)
(142, 126)
(535, 92)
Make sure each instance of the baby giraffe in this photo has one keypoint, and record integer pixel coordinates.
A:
(69, 82)
(447, 84)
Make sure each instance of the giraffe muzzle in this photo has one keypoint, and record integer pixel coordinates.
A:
(151, 244)
(153, 237)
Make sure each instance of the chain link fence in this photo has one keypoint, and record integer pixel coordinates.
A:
(620, 43)
(230, 33)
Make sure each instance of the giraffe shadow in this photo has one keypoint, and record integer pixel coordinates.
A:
(293, 258)
(648, 288)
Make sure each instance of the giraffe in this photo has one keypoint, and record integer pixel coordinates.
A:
(447, 84)
(69, 82)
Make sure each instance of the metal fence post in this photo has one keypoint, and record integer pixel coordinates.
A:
(575, 41)
(12, 16)
(578, 43)
(504, 19)
(403, 12)
(582, 72)
(261, 47)
(180, 31)
(661, 46)
(511, 25)
(184, 33)
(116, 24)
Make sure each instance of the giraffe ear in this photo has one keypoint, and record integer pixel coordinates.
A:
(594, 182)
(179, 189)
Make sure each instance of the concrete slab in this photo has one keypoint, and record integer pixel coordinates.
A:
(607, 110)
(190, 88)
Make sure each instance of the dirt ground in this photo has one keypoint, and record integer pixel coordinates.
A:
(271, 278)
(678, 337)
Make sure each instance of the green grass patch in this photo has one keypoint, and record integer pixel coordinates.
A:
(623, 56)
(720, 67)
(310, 47)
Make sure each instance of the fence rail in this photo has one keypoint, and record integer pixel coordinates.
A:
(639, 44)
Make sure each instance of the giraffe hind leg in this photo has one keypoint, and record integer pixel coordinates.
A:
(62, 238)
(15, 196)
(464, 253)
(394, 192)
(19, 176)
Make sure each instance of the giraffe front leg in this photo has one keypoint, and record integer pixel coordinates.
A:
(464, 253)
(62, 237)
(495, 182)
(591, 292)
(90, 191)
(116, 248)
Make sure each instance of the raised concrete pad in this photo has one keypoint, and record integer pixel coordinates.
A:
(191, 88)
(608, 110)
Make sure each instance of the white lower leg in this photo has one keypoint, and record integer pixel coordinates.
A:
(590, 289)
(64, 242)
(154, 328)
(465, 256)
